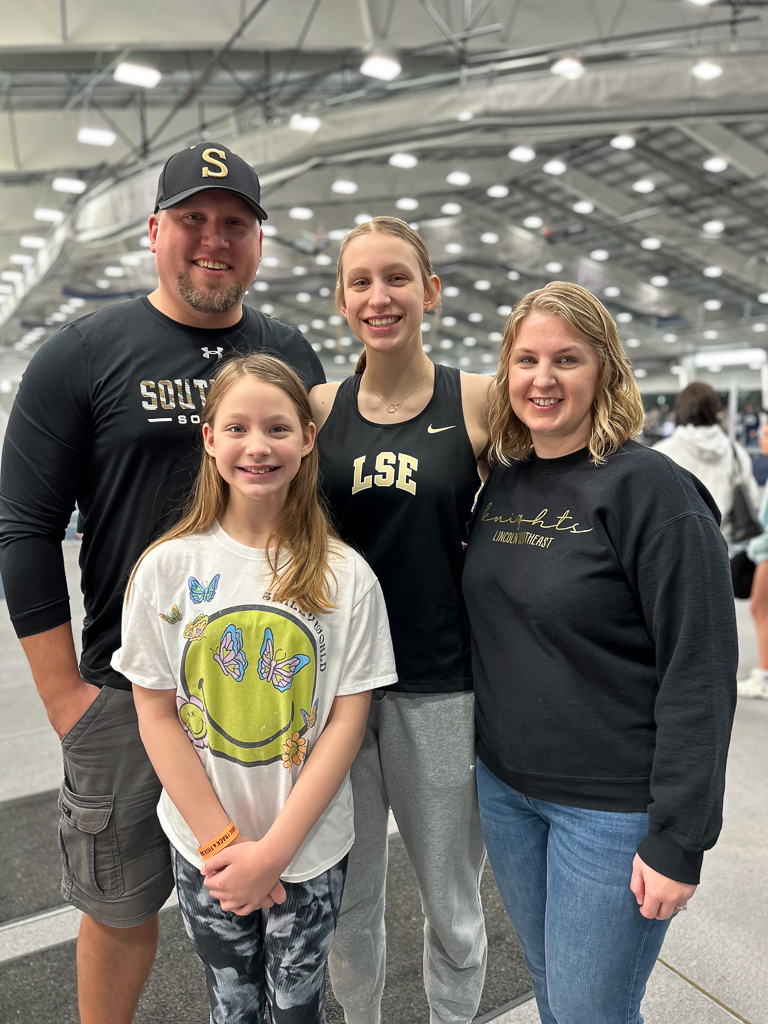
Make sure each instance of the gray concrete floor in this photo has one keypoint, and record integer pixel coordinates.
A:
(715, 952)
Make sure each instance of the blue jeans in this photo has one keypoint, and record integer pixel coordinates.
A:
(564, 874)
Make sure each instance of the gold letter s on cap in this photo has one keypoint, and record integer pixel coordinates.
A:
(209, 158)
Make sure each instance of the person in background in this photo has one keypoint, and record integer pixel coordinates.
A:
(700, 445)
(604, 657)
(107, 417)
(755, 685)
(399, 444)
(253, 711)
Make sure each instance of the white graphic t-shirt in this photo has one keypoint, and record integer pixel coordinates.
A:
(255, 679)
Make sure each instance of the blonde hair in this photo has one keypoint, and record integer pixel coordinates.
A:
(400, 229)
(304, 529)
(617, 409)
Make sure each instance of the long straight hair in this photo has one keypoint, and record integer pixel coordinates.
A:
(387, 226)
(304, 531)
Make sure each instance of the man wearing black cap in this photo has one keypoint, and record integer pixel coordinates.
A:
(107, 416)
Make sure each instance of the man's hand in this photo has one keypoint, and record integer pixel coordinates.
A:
(244, 877)
(657, 896)
(64, 714)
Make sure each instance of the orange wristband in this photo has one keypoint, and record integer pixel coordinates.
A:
(222, 840)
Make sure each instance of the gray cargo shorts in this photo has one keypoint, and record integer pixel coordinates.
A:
(115, 858)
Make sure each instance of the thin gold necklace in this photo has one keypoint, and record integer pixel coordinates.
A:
(392, 407)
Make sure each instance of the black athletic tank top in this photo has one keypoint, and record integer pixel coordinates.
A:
(401, 493)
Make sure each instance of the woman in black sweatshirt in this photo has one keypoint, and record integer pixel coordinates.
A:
(604, 658)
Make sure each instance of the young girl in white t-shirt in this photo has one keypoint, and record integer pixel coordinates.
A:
(253, 638)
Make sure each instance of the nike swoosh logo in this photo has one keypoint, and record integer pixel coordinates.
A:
(439, 430)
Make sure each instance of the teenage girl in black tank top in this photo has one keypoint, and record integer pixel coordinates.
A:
(399, 445)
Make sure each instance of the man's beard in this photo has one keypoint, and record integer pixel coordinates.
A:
(209, 300)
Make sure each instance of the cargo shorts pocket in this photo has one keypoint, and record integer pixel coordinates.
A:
(88, 844)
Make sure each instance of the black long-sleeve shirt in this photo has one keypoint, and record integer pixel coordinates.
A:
(108, 416)
(604, 643)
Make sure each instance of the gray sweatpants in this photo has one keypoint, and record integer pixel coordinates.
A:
(418, 757)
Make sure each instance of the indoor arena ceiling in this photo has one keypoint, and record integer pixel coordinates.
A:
(643, 174)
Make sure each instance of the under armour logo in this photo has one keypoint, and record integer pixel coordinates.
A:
(209, 353)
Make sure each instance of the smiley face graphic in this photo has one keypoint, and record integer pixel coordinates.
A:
(192, 716)
(252, 672)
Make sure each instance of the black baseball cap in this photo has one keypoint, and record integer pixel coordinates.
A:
(207, 165)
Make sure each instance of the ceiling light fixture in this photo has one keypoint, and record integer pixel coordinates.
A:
(363, 218)
(298, 271)
(13, 276)
(344, 188)
(304, 122)
(523, 154)
(583, 206)
(624, 318)
(712, 304)
(449, 321)
(669, 338)
(568, 67)
(554, 167)
(48, 216)
(96, 137)
(623, 142)
(31, 242)
(763, 297)
(712, 271)
(710, 335)
(640, 372)
(323, 259)
(706, 70)
(454, 248)
(714, 227)
(533, 223)
(759, 327)
(269, 230)
(553, 267)
(659, 281)
(612, 292)
(497, 191)
(300, 213)
(137, 74)
(504, 310)
(512, 275)
(301, 297)
(489, 237)
(114, 271)
(21, 259)
(651, 243)
(715, 164)
(465, 115)
(382, 66)
(475, 318)
(599, 254)
(731, 357)
(102, 283)
(451, 291)
(407, 203)
(483, 286)
(633, 343)
(458, 178)
(450, 209)
(644, 185)
(403, 160)
(72, 185)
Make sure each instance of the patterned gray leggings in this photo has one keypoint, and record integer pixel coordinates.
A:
(272, 957)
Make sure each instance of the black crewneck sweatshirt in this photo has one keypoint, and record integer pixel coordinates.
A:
(604, 642)
(108, 416)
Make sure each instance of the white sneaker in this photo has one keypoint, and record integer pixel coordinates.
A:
(755, 685)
